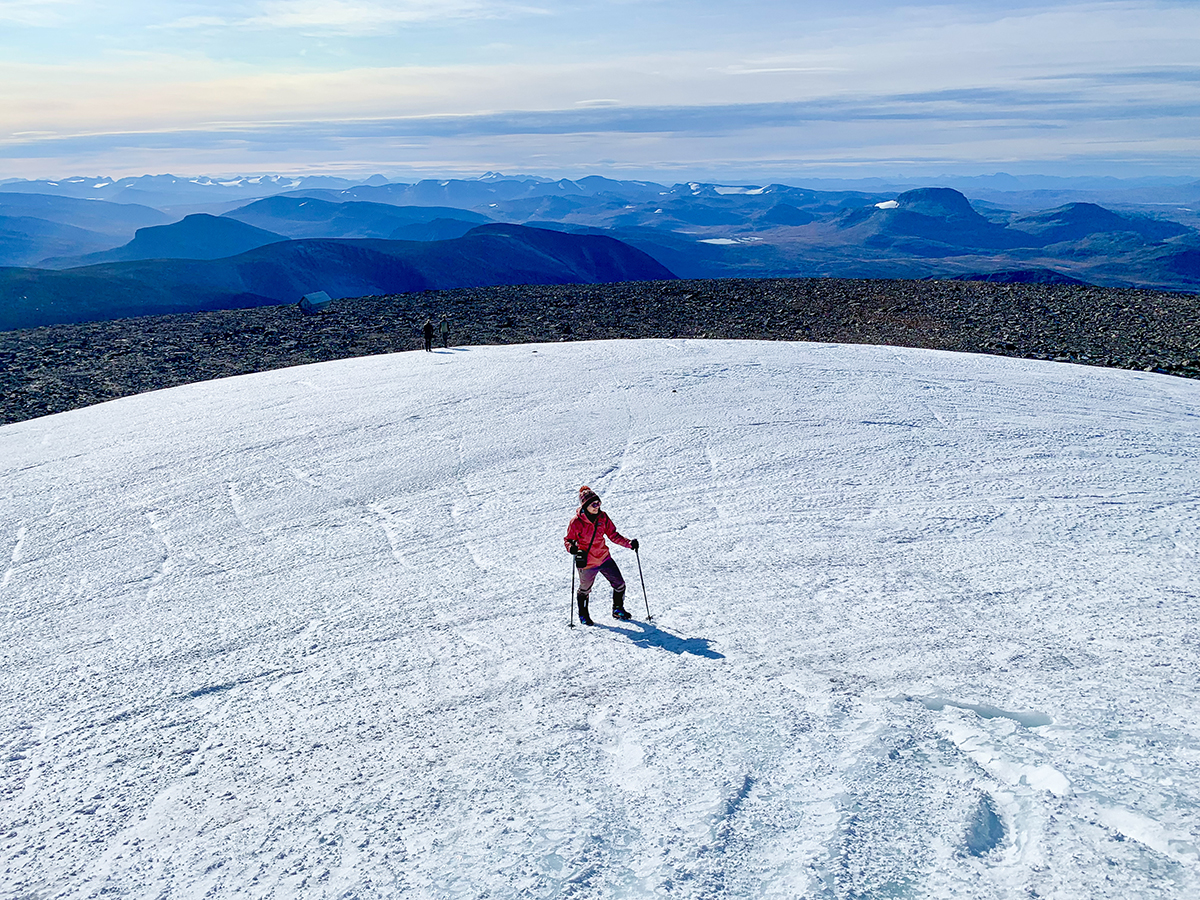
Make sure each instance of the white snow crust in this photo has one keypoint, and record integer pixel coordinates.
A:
(925, 625)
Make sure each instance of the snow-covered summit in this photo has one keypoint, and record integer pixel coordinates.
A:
(925, 625)
(747, 190)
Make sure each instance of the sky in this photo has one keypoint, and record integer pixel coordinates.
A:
(924, 624)
(660, 89)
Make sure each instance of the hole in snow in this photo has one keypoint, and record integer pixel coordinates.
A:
(986, 831)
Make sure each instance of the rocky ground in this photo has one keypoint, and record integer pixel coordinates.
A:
(49, 370)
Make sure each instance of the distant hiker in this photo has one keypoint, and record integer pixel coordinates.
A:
(585, 541)
(445, 328)
(429, 335)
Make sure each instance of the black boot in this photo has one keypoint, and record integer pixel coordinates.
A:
(582, 600)
(619, 611)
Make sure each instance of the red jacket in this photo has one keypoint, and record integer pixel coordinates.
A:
(581, 531)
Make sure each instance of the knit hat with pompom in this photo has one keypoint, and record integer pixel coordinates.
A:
(586, 496)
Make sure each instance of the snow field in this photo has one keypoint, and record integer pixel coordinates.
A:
(925, 625)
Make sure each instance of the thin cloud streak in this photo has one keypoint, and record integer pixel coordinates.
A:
(603, 79)
(1048, 100)
(351, 17)
(34, 13)
(972, 128)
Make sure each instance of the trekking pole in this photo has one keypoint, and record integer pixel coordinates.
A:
(649, 618)
(571, 604)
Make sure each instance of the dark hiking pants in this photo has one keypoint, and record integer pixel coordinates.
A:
(608, 569)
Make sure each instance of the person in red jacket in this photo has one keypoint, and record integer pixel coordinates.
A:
(585, 541)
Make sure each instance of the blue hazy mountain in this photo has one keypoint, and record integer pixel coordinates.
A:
(684, 207)
(314, 217)
(36, 226)
(707, 230)
(491, 190)
(161, 191)
(439, 229)
(925, 232)
(282, 272)
(26, 241)
(1076, 221)
(1182, 259)
(99, 216)
(198, 236)
(171, 191)
(928, 222)
(786, 214)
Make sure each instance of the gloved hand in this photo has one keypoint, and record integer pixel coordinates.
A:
(572, 548)
(581, 559)
(633, 545)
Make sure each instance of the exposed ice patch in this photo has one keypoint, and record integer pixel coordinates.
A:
(1179, 847)
(997, 761)
(984, 711)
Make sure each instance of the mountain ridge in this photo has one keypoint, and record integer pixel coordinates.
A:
(693, 229)
(196, 236)
(282, 272)
(313, 217)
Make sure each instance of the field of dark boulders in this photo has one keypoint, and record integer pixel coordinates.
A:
(49, 370)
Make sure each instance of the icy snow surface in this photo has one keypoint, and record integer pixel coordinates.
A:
(925, 625)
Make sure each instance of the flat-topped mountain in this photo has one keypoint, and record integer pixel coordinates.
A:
(925, 222)
(198, 236)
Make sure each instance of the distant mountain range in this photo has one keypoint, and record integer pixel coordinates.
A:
(285, 270)
(310, 217)
(36, 226)
(81, 237)
(172, 192)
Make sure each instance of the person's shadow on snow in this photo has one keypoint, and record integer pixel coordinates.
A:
(650, 635)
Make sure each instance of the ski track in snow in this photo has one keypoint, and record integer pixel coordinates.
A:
(17, 555)
(925, 625)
